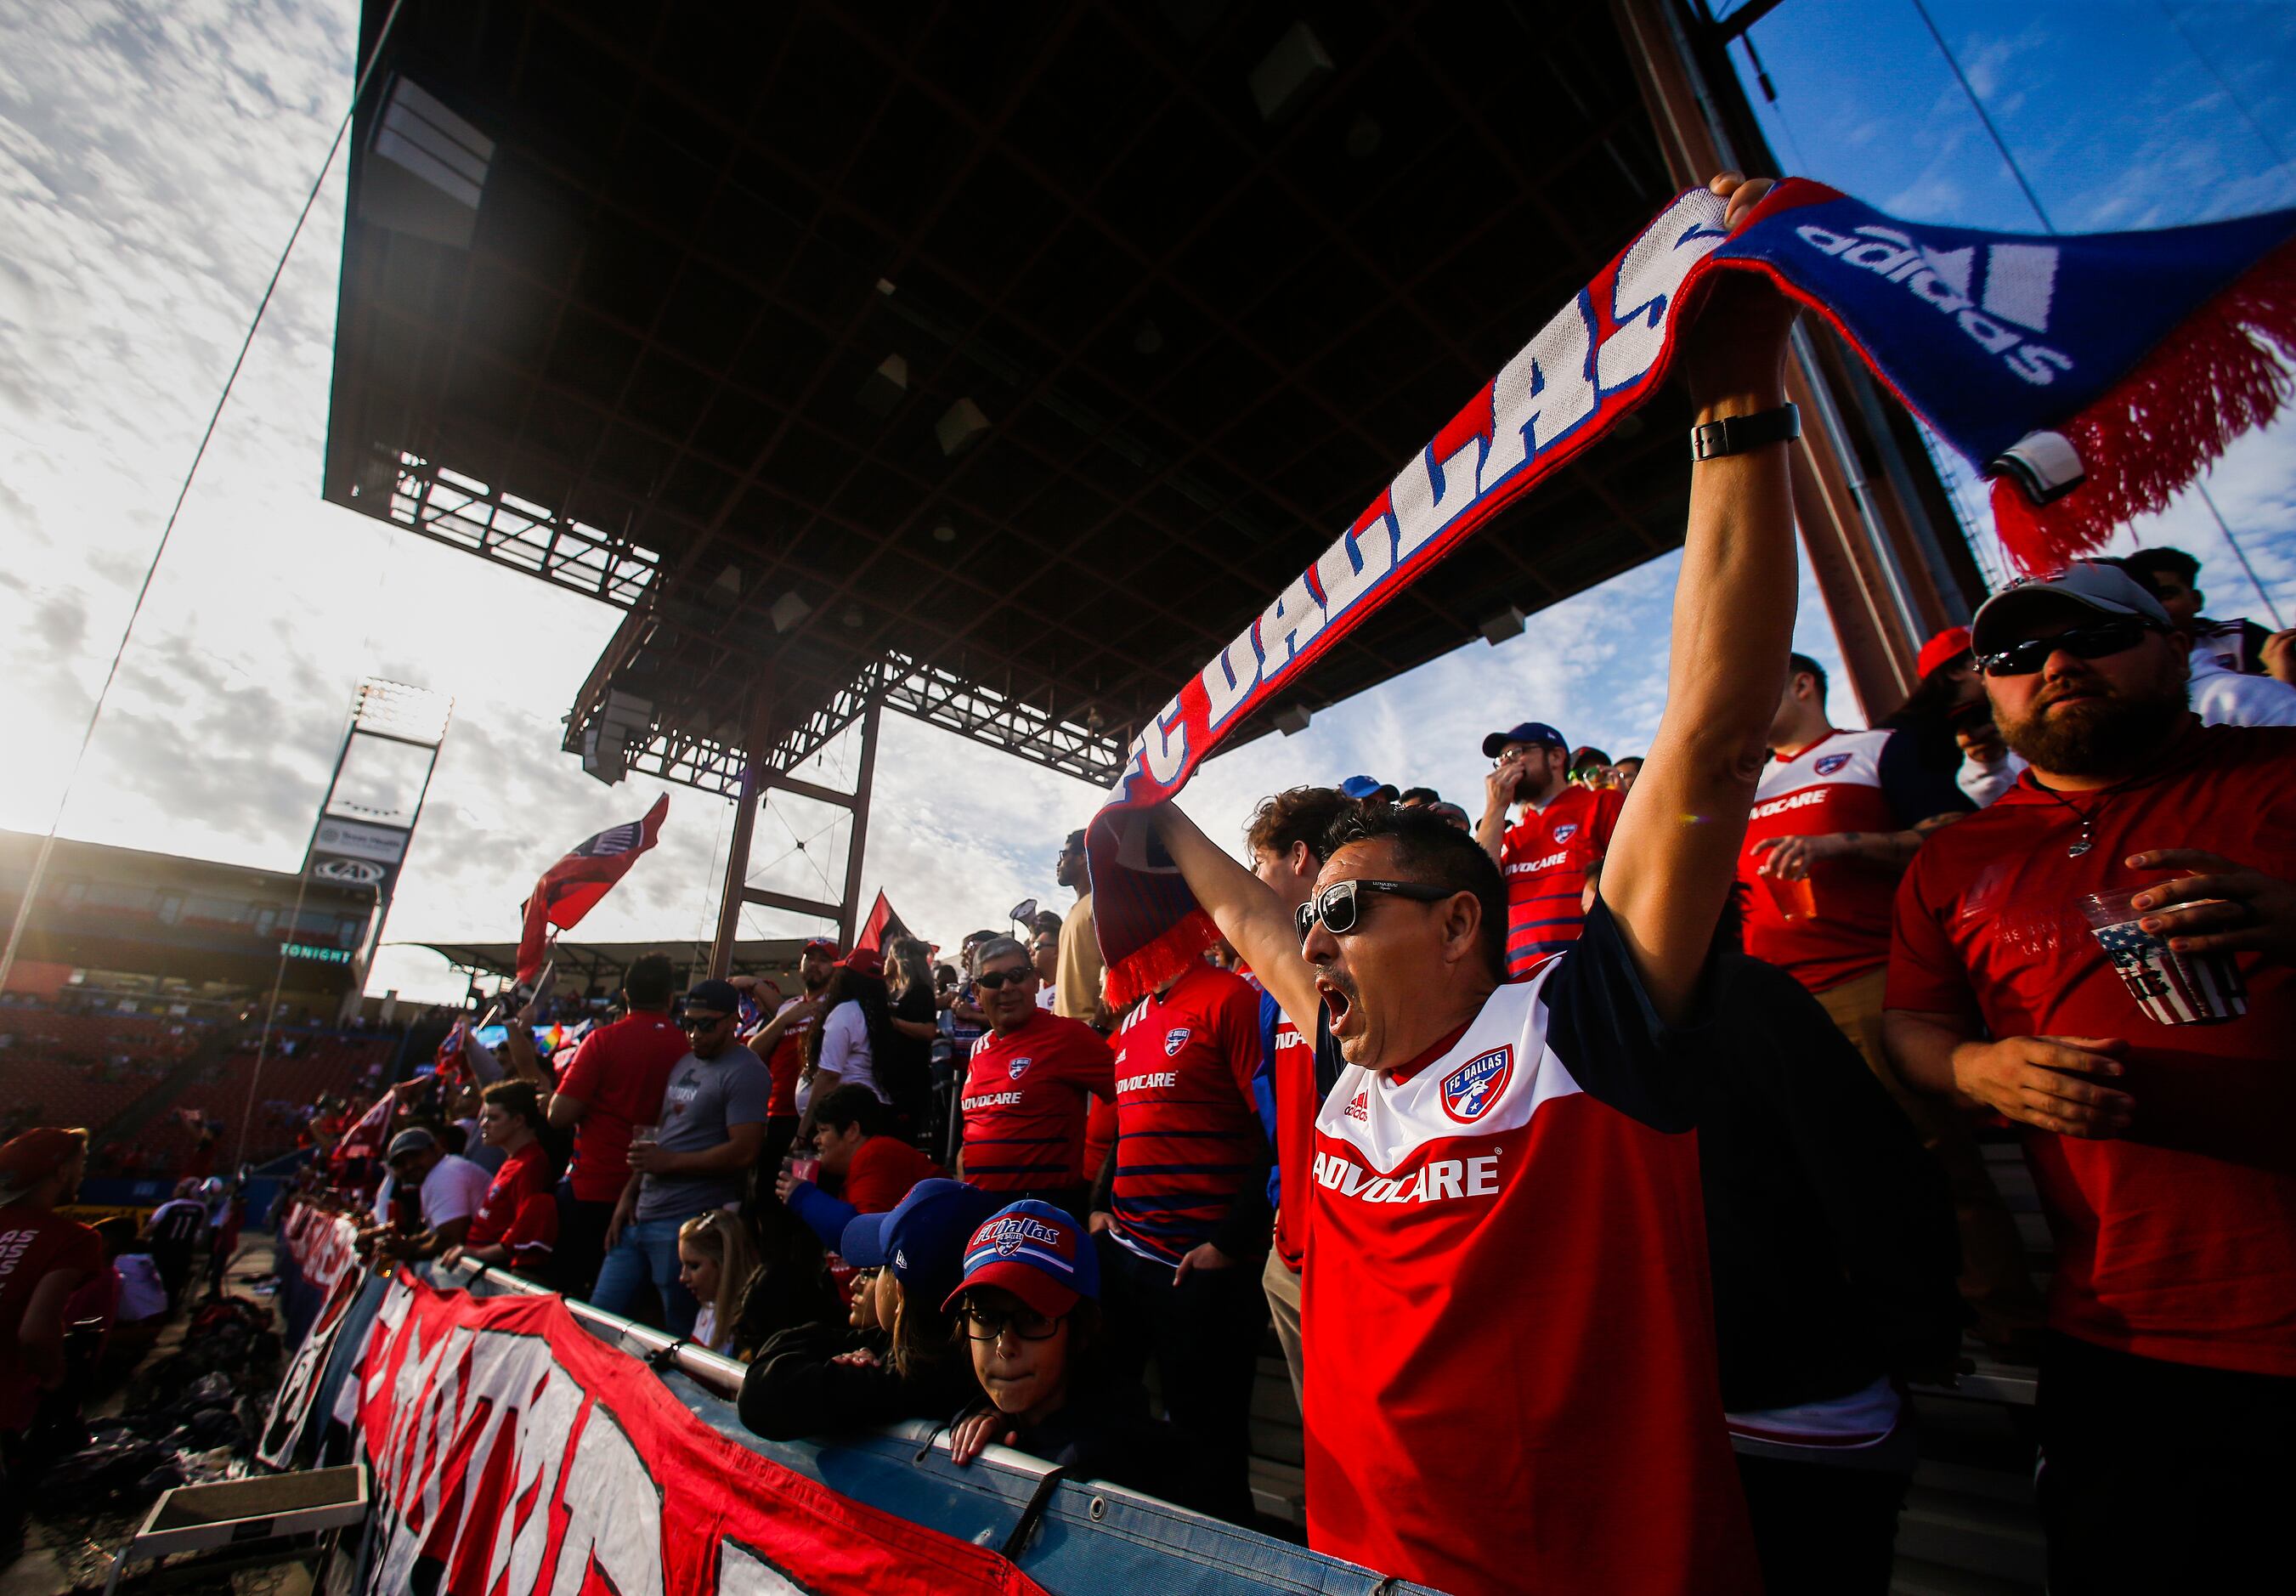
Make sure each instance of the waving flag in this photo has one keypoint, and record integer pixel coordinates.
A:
(882, 928)
(571, 888)
(2092, 377)
(364, 1138)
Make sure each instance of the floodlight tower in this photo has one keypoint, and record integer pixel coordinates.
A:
(365, 824)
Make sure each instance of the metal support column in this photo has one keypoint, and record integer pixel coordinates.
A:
(751, 798)
(848, 919)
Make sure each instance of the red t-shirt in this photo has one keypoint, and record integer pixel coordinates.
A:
(883, 1170)
(619, 1071)
(1845, 781)
(520, 1212)
(34, 1244)
(1293, 1067)
(1187, 1133)
(2177, 1240)
(1546, 857)
(1509, 1335)
(1024, 1103)
(787, 1064)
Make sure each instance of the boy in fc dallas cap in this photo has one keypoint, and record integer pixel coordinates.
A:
(1029, 1305)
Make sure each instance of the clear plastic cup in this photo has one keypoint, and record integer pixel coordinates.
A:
(2172, 988)
(644, 1136)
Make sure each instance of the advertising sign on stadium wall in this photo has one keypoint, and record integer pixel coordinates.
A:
(359, 839)
(512, 1452)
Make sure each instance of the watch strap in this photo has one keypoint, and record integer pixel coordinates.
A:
(1735, 434)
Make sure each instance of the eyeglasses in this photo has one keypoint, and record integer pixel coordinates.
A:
(696, 1021)
(1521, 751)
(997, 980)
(988, 1324)
(1336, 907)
(2092, 642)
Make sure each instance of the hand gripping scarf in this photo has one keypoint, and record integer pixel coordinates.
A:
(2091, 377)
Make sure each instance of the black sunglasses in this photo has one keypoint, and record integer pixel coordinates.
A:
(997, 980)
(1337, 908)
(988, 1324)
(2091, 642)
(696, 1022)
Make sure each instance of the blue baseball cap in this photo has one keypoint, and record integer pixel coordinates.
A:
(1360, 787)
(1530, 731)
(922, 1239)
(1037, 1252)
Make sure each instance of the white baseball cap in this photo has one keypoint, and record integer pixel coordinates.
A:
(2107, 589)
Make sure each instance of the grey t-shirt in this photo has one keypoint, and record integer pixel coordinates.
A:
(702, 1099)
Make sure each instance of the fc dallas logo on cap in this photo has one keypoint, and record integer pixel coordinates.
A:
(1470, 1090)
(1831, 763)
(1173, 1040)
(1017, 1068)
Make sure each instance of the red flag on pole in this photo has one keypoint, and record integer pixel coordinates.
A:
(572, 886)
(364, 1138)
(881, 930)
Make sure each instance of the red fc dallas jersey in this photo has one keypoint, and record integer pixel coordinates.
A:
(2177, 1240)
(520, 1212)
(787, 1064)
(1024, 1103)
(1187, 1134)
(1833, 784)
(1546, 857)
(1508, 1331)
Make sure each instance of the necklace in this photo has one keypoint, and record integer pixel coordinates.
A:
(2086, 817)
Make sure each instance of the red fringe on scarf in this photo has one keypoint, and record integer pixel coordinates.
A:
(2174, 413)
(1150, 965)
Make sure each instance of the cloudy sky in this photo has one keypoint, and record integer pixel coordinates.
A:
(153, 158)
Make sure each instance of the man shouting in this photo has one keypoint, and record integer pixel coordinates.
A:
(1508, 1341)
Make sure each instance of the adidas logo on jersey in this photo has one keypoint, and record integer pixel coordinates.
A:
(1439, 1180)
(1360, 1109)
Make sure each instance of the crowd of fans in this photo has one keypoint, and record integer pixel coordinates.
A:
(1428, 1110)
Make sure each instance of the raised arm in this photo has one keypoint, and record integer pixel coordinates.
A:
(1248, 913)
(1675, 852)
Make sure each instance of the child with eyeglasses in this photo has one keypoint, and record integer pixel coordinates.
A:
(1029, 1309)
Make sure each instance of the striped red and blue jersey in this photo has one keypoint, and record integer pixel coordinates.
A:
(1546, 857)
(1024, 1103)
(1188, 1137)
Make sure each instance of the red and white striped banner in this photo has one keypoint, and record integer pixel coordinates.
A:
(513, 1452)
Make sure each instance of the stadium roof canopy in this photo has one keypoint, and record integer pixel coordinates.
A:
(595, 963)
(999, 361)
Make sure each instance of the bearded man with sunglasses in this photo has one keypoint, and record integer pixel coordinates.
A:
(2158, 1130)
(713, 1123)
(1509, 1344)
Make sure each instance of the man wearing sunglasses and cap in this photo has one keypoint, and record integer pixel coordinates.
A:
(1549, 854)
(1509, 1346)
(2157, 1099)
(713, 1124)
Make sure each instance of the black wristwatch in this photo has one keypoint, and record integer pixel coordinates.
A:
(1735, 434)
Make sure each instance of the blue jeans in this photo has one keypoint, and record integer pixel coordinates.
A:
(647, 1249)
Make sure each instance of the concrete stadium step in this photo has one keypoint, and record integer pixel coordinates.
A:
(1973, 1535)
(1913, 1576)
(1279, 1490)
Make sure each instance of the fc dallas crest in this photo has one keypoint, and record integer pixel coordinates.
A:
(1175, 1039)
(1470, 1090)
(1018, 1067)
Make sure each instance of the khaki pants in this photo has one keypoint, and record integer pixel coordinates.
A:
(1283, 1289)
(1993, 1281)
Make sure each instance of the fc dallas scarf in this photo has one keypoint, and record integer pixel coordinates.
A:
(571, 888)
(2144, 354)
